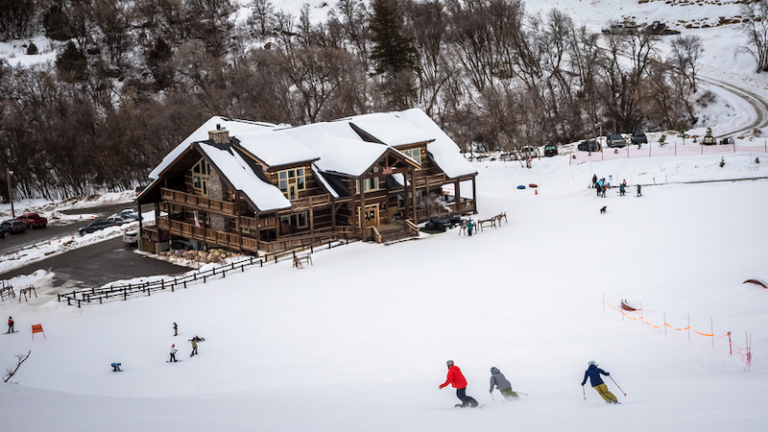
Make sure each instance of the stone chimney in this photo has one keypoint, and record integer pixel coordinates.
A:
(219, 136)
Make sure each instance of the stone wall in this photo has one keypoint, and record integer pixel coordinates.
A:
(216, 191)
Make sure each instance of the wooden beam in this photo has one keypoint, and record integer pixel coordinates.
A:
(363, 225)
(413, 190)
(258, 230)
(333, 214)
(457, 192)
(405, 193)
(474, 196)
(311, 220)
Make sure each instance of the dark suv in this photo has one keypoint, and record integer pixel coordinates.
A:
(96, 226)
(14, 226)
(589, 146)
(639, 138)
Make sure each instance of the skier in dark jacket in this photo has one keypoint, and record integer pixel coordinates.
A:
(500, 381)
(593, 373)
(622, 189)
(457, 380)
(116, 367)
(10, 324)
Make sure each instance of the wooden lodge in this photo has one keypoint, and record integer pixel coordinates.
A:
(264, 189)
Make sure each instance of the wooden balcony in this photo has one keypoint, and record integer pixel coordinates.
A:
(304, 204)
(152, 233)
(194, 201)
(430, 181)
(249, 223)
(233, 240)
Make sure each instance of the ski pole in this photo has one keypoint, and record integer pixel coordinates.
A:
(584, 391)
(493, 398)
(614, 381)
(524, 394)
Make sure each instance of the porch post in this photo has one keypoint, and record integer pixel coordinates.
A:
(258, 230)
(457, 187)
(474, 194)
(353, 193)
(333, 215)
(140, 241)
(363, 225)
(311, 219)
(413, 191)
(405, 193)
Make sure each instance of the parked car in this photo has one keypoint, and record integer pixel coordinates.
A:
(529, 151)
(589, 145)
(619, 28)
(3, 232)
(639, 138)
(14, 226)
(615, 140)
(128, 214)
(117, 220)
(33, 220)
(96, 226)
(727, 141)
(550, 150)
(131, 236)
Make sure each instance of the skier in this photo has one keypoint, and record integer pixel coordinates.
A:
(500, 381)
(639, 188)
(469, 227)
(622, 190)
(594, 372)
(602, 187)
(194, 345)
(175, 329)
(116, 367)
(173, 353)
(457, 380)
(10, 324)
(594, 180)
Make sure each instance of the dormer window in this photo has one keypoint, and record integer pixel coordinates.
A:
(291, 182)
(414, 154)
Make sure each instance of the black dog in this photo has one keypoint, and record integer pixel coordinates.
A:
(602, 210)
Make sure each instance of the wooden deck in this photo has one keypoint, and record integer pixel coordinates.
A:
(194, 201)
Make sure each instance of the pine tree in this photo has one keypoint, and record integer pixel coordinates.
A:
(392, 52)
(72, 64)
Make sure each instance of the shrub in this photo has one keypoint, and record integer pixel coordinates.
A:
(32, 49)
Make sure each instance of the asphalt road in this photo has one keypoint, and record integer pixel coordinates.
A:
(99, 264)
(57, 229)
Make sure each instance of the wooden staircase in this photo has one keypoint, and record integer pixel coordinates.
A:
(395, 232)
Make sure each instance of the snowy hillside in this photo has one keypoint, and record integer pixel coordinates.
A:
(358, 342)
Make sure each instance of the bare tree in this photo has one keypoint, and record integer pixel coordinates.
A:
(686, 52)
(10, 371)
(755, 26)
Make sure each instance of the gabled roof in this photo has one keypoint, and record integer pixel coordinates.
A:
(390, 129)
(240, 174)
(275, 147)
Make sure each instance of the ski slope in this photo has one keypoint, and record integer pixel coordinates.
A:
(358, 342)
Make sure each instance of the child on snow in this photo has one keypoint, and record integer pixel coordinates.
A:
(500, 381)
(10, 324)
(593, 373)
(173, 353)
(116, 367)
(194, 341)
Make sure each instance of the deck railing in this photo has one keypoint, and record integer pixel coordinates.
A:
(195, 201)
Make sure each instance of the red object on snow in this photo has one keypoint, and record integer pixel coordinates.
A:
(756, 282)
(627, 307)
(455, 378)
(533, 185)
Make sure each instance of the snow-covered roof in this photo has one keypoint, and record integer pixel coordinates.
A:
(264, 195)
(235, 128)
(275, 147)
(390, 129)
(321, 178)
(343, 156)
(444, 151)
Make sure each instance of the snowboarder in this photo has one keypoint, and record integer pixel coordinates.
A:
(603, 187)
(470, 225)
(173, 353)
(639, 189)
(593, 373)
(116, 367)
(594, 180)
(10, 324)
(500, 381)
(457, 380)
(175, 329)
(622, 189)
(194, 341)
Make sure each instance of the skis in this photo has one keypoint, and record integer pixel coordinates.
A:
(15, 331)
(175, 361)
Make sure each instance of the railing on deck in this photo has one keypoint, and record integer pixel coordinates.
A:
(192, 200)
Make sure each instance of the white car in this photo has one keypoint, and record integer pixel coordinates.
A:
(128, 215)
(131, 236)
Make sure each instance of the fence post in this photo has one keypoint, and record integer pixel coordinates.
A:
(185, 284)
(223, 274)
(162, 283)
(204, 277)
(69, 301)
(311, 249)
(214, 271)
(125, 294)
(251, 260)
(59, 297)
(275, 258)
(261, 263)
(100, 300)
(172, 285)
(242, 268)
(329, 244)
(78, 304)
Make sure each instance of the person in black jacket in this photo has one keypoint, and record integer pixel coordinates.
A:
(593, 373)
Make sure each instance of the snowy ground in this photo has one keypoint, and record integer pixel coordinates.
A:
(358, 341)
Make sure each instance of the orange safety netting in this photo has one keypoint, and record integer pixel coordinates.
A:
(662, 325)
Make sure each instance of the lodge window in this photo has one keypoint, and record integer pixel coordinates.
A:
(414, 154)
(371, 184)
(200, 173)
(292, 181)
(298, 220)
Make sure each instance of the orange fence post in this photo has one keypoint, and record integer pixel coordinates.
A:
(730, 344)
(37, 328)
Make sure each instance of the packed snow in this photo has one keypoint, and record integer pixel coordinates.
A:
(358, 341)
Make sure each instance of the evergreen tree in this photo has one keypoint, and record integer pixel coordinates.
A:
(72, 64)
(392, 52)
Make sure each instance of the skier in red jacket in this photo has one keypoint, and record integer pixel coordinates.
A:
(457, 380)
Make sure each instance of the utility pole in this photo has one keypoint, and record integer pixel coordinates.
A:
(10, 192)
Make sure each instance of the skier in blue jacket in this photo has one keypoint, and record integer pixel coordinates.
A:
(593, 373)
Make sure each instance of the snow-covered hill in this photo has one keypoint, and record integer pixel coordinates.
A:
(358, 342)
